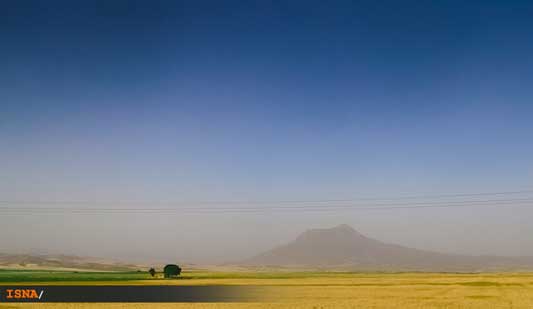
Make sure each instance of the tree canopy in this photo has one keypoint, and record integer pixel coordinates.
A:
(172, 270)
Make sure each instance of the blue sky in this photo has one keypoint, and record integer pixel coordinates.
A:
(235, 100)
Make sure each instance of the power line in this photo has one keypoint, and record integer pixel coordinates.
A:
(221, 202)
(485, 203)
(503, 201)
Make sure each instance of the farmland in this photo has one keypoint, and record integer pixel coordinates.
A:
(315, 289)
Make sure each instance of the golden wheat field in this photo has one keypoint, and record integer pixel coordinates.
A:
(351, 290)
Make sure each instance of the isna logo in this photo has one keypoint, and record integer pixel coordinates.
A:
(23, 294)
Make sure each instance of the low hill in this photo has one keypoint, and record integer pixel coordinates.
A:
(342, 247)
(42, 261)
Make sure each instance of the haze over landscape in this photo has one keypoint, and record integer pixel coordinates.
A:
(209, 133)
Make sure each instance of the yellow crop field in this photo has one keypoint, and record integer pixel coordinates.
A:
(350, 290)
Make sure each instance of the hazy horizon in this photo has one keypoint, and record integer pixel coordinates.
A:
(256, 107)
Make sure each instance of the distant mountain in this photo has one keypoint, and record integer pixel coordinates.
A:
(342, 247)
(44, 261)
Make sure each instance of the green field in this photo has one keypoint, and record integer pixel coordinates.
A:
(316, 289)
(29, 276)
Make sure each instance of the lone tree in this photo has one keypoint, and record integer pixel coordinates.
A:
(152, 271)
(172, 270)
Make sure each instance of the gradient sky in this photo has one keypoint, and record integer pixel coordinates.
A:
(264, 100)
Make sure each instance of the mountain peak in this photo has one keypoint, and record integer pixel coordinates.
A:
(340, 233)
(336, 231)
(344, 227)
(343, 247)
